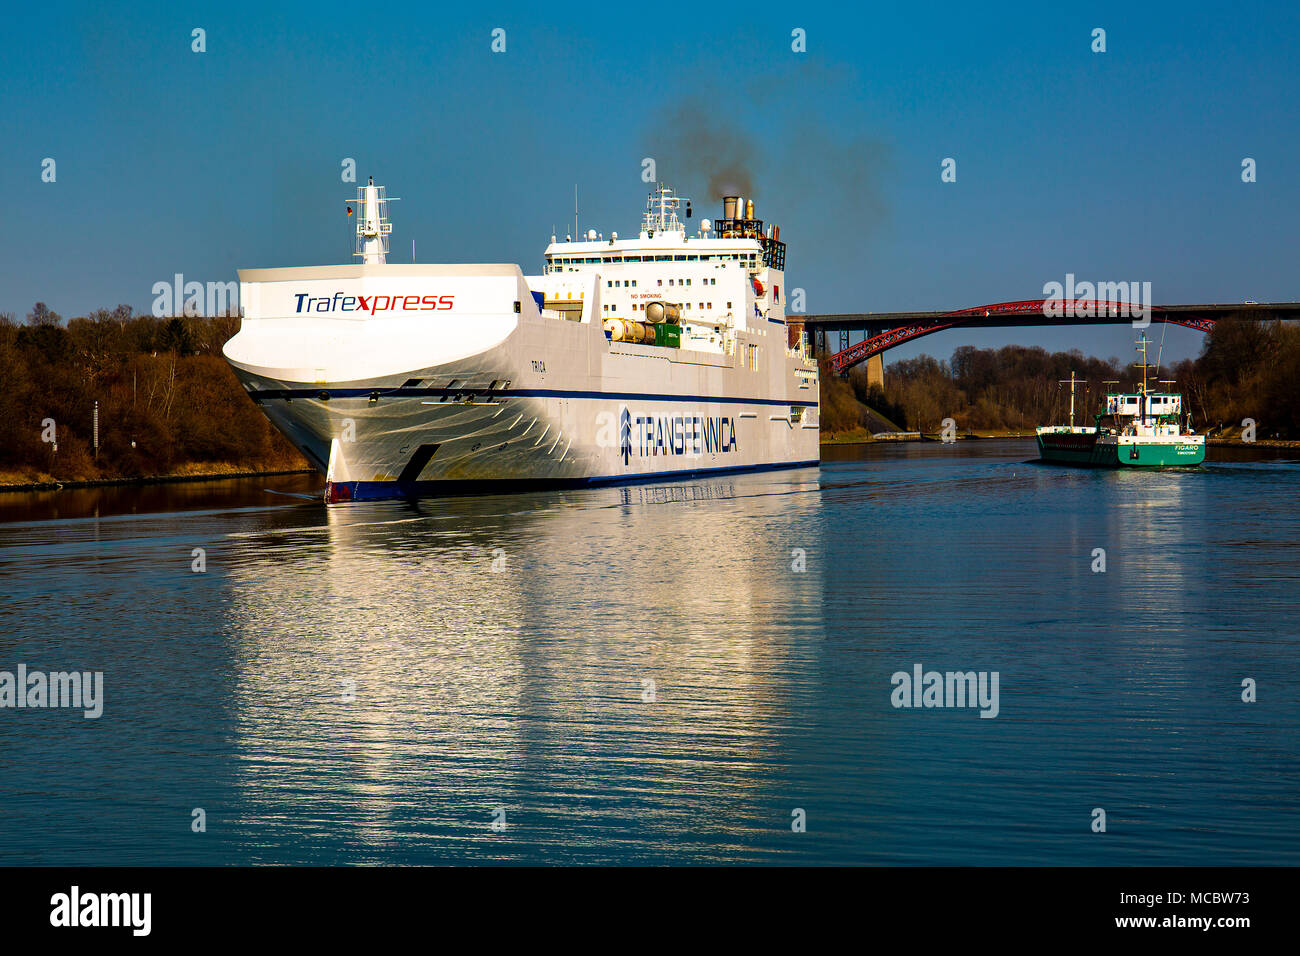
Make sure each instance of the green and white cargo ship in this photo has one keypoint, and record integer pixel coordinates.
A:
(1142, 429)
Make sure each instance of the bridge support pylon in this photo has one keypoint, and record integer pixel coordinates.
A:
(876, 370)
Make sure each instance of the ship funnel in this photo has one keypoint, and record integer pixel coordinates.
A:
(730, 207)
(749, 209)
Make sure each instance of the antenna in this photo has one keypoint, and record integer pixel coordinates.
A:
(575, 211)
(661, 211)
(1161, 350)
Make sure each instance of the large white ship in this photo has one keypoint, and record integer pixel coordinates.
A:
(627, 359)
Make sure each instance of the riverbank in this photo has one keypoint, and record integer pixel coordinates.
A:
(861, 436)
(1258, 443)
(855, 436)
(14, 482)
(1233, 436)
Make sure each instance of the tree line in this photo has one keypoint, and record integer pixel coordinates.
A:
(170, 404)
(168, 401)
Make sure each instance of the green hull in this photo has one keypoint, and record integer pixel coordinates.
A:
(1072, 450)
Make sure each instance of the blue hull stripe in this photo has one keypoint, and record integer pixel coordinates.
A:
(384, 490)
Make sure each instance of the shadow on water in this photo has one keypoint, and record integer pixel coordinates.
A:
(161, 498)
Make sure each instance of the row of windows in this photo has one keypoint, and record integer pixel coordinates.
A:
(609, 307)
(749, 257)
(626, 283)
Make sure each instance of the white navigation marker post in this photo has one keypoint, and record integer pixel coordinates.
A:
(373, 227)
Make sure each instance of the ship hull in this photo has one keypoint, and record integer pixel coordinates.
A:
(421, 442)
(1086, 451)
(511, 399)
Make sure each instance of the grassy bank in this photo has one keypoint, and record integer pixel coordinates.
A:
(854, 436)
(13, 481)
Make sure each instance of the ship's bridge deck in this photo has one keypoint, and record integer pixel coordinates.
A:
(663, 248)
(1157, 403)
(719, 284)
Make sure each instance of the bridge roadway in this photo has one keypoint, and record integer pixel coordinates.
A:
(884, 330)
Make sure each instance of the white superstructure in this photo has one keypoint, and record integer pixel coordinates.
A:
(666, 354)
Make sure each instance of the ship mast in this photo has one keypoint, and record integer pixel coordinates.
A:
(1071, 380)
(1142, 386)
(661, 211)
(1142, 347)
(373, 227)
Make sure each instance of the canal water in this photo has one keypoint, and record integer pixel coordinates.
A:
(698, 672)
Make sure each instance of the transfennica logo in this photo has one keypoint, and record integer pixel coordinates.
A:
(650, 436)
(689, 435)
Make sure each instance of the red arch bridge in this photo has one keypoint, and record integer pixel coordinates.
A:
(884, 330)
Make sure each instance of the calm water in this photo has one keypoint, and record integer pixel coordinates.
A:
(359, 685)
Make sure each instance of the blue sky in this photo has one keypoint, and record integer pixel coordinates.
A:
(1123, 165)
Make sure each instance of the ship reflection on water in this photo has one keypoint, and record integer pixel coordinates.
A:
(413, 673)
